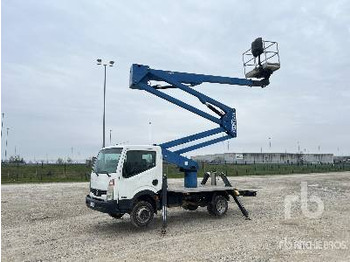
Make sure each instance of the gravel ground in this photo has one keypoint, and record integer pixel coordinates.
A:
(50, 222)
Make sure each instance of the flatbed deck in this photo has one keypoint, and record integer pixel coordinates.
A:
(200, 188)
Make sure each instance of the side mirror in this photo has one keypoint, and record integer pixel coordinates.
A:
(257, 47)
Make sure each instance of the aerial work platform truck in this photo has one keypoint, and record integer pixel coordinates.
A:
(129, 179)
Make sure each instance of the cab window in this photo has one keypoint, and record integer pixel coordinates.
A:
(138, 161)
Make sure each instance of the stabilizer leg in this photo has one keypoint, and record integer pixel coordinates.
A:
(164, 204)
(241, 207)
(233, 194)
(205, 178)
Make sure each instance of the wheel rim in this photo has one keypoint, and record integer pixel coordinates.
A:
(143, 215)
(221, 206)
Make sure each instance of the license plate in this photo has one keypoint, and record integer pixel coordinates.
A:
(92, 204)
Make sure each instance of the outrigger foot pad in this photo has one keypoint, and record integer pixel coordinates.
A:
(163, 231)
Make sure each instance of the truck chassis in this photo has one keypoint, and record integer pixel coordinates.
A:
(143, 207)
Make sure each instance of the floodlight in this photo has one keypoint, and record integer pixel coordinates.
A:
(257, 47)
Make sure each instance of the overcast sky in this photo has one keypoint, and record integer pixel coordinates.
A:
(52, 89)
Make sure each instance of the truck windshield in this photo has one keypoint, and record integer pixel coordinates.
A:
(107, 160)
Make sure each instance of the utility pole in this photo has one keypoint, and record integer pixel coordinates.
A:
(110, 136)
(2, 122)
(2, 126)
(99, 62)
(7, 135)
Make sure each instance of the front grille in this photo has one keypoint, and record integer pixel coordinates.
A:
(98, 192)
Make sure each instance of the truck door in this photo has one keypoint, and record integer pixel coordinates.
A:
(142, 170)
(104, 170)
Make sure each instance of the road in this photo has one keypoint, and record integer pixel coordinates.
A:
(50, 222)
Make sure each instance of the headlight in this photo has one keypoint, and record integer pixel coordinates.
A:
(110, 190)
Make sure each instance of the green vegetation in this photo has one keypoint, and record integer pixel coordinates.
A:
(260, 169)
(22, 173)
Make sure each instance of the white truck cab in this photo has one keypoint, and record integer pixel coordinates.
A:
(120, 172)
(123, 174)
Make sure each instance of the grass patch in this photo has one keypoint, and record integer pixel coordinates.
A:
(16, 173)
(259, 169)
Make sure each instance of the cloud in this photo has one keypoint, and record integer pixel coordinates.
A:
(52, 90)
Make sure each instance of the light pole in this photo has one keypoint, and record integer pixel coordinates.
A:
(110, 63)
(110, 136)
(150, 132)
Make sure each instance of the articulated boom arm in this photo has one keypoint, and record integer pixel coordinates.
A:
(262, 59)
(141, 77)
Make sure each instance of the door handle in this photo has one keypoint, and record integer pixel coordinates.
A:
(155, 182)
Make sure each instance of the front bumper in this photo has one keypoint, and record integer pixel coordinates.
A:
(110, 207)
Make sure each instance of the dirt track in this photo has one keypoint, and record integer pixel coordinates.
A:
(49, 222)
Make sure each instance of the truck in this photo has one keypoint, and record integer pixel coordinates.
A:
(129, 179)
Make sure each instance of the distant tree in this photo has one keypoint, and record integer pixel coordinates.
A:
(16, 159)
(60, 161)
(69, 160)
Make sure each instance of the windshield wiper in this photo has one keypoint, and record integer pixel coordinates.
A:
(104, 172)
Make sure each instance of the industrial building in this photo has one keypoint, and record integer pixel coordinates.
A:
(265, 158)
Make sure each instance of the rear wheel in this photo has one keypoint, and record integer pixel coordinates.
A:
(218, 206)
(142, 214)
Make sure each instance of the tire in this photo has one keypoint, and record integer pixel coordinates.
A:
(116, 215)
(218, 206)
(210, 209)
(190, 207)
(142, 214)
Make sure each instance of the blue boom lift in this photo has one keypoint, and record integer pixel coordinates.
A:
(136, 186)
(259, 62)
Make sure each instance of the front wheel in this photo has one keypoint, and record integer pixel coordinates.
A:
(142, 214)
